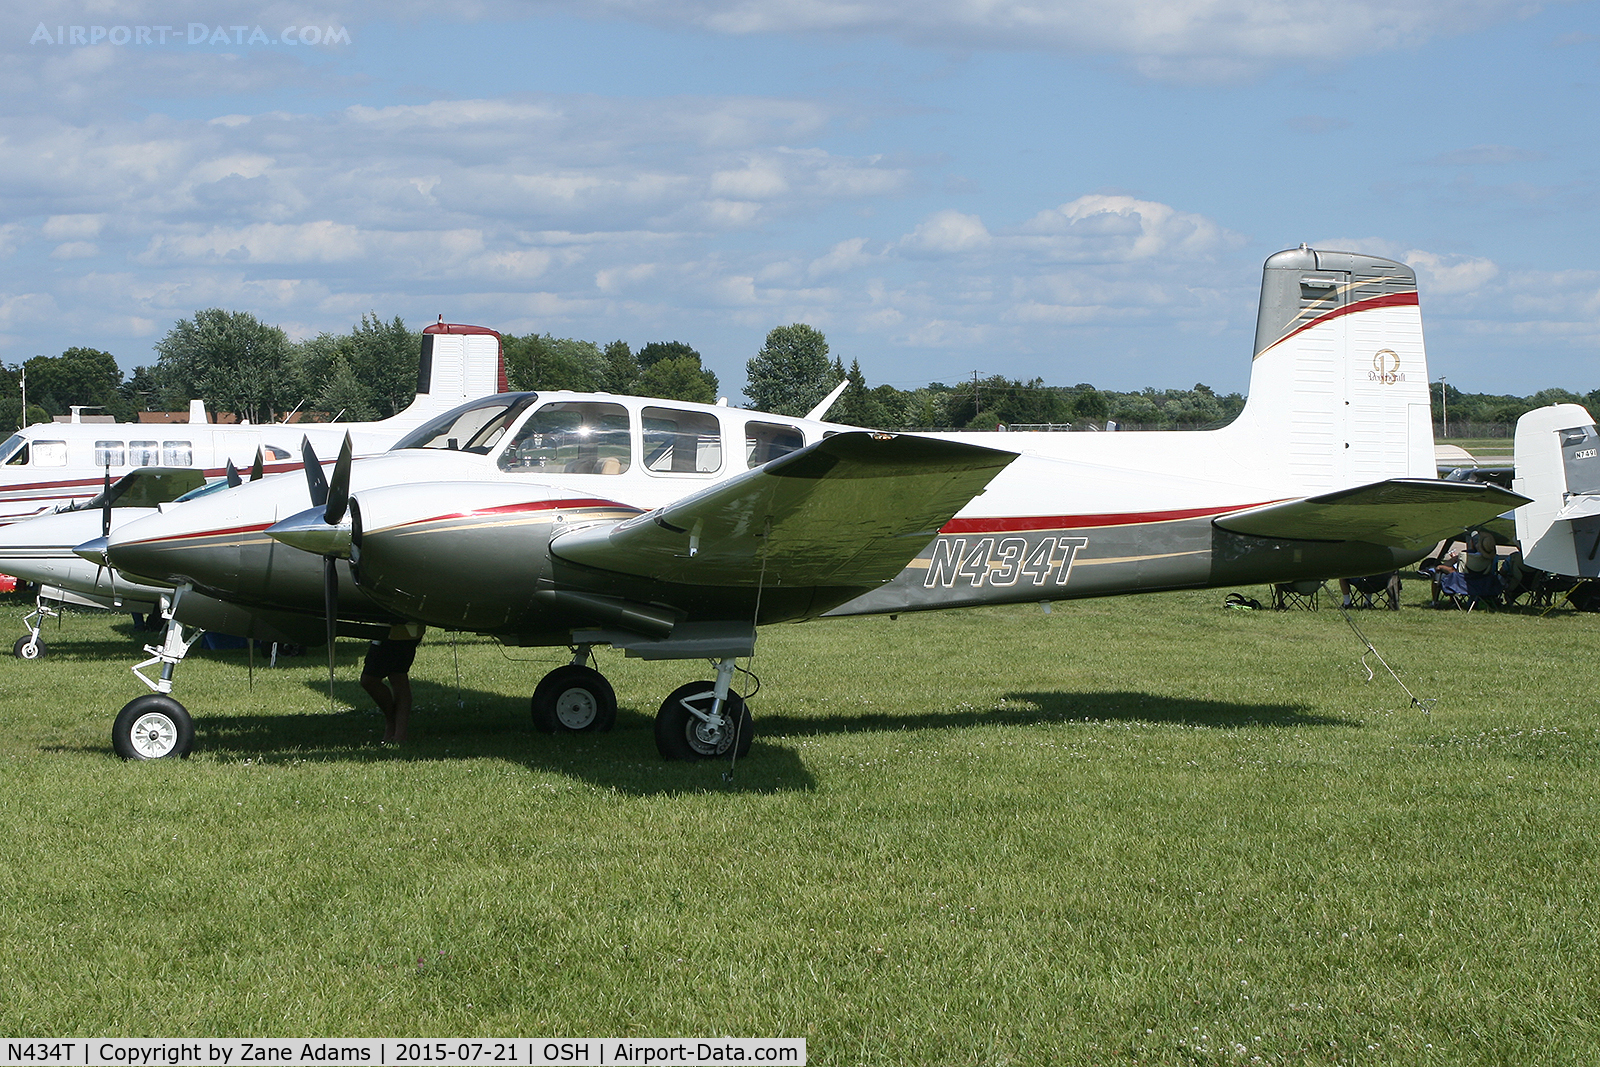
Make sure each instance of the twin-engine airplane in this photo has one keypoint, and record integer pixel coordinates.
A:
(672, 531)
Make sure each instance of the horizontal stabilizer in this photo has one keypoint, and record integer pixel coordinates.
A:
(1407, 513)
(850, 510)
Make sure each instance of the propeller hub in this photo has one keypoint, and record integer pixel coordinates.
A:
(309, 531)
(93, 551)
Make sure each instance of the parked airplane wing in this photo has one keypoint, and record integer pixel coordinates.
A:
(848, 510)
(1409, 513)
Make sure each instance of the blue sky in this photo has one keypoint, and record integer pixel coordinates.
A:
(1073, 191)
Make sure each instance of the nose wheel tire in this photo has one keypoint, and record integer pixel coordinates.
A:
(574, 699)
(683, 735)
(28, 648)
(153, 727)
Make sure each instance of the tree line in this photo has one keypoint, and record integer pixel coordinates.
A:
(251, 369)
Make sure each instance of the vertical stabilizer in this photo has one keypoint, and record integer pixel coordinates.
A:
(459, 363)
(1557, 456)
(1339, 385)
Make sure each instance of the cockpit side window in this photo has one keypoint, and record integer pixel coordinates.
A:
(766, 441)
(476, 427)
(15, 451)
(49, 453)
(572, 437)
(681, 442)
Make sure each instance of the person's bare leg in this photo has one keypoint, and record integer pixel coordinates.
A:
(385, 700)
(401, 683)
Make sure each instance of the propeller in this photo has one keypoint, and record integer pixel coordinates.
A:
(105, 531)
(334, 500)
(259, 467)
(233, 475)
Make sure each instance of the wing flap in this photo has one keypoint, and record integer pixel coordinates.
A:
(850, 510)
(1407, 513)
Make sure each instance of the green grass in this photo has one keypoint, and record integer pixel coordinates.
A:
(1141, 830)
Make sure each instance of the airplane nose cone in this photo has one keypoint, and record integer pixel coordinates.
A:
(309, 531)
(94, 551)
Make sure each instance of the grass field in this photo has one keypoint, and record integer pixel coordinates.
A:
(1146, 830)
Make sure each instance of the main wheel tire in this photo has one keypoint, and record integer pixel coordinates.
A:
(153, 727)
(28, 648)
(574, 699)
(681, 735)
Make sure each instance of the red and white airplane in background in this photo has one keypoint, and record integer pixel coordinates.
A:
(45, 466)
(672, 531)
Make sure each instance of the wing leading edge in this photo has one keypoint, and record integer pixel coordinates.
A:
(850, 510)
(1406, 513)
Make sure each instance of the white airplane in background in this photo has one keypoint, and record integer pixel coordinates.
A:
(672, 530)
(45, 466)
(1557, 459)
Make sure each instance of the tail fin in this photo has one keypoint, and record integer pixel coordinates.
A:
(1339, 385)
(459, 363)
(1557, 456)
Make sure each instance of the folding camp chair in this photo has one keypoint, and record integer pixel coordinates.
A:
(1376, 591)
(1287, 596)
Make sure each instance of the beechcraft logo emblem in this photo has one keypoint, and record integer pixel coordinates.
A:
(1386, 367)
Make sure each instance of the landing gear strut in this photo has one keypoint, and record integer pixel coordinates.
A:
(574, 698)
(155, 726)
(704, 720)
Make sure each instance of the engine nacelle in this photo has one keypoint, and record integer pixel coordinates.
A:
(471, 564)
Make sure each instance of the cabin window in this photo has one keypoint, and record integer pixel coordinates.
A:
(272, 453)
(572, 437)
(177, 453)
(108, 453)
(144, 453)
(681, 442)
(49, 453)
(766, 441)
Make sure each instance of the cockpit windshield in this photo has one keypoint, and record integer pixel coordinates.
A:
(474, 427)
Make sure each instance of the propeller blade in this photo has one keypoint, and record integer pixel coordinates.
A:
(259, 467)
(330, 596)
(316, 481)
(339, 487)
(105, 529)
(233, 475)
(105, 506)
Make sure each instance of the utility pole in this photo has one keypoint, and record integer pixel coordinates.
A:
(1444, 405)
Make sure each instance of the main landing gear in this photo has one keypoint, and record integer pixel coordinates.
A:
(155, 726)
(700, 720)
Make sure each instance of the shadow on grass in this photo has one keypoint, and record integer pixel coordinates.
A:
(453, 725)
(1035, 708)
